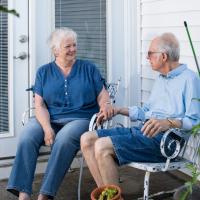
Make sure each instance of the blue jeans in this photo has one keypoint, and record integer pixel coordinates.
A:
(64, 149)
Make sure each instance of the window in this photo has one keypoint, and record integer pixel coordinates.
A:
(4, 120)
(88, 19)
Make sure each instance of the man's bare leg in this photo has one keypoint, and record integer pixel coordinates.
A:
(42, 197)
(104, 154)
(24, 196)
(88, 140)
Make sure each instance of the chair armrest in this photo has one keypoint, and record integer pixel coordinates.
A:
(94, 126)
(172, 143)
(26, 115)
(105, 125)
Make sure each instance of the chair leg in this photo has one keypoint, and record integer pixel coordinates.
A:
(80, 177)
(146, 186)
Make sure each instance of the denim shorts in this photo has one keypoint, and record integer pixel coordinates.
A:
(130, 145)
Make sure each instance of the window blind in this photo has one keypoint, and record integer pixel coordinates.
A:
(4, 120)
(88, 19)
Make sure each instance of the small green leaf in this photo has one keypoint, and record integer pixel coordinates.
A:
(6, 10)
(196, 129)
(196, 99)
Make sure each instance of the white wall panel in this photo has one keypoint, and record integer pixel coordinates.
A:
(148, 32)
(171, 19)
(147, 72)
(169, 6)
(159, 16)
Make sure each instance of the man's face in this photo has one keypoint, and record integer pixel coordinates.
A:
(155, 56)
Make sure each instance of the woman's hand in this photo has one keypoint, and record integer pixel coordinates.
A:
(42, 115)
(49, 136)
(106, 112)
(154, 126)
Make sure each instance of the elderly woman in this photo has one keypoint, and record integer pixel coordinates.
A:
(68, 91)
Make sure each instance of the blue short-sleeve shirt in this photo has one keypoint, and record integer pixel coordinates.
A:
(73, 96)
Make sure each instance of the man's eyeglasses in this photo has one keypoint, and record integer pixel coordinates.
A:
(149, 53)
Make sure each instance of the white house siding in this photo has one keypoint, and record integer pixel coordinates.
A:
(158, 16)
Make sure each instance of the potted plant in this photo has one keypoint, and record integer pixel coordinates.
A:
(191, 191)
(106, 192)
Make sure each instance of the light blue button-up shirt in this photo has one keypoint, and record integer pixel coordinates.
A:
(172, 97)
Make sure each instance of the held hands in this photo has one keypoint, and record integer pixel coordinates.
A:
(107, 111)
(49, 136)
(154, 126)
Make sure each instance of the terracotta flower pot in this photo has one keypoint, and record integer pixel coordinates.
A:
(97, 191)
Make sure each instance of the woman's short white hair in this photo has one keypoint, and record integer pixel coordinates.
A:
(170, 45)
(58, 35)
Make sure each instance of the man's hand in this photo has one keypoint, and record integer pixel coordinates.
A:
(106, 112)
(49, 136)
(154, 126)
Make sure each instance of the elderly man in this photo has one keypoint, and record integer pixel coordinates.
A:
(170, 104)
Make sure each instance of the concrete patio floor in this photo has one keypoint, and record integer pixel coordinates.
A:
(132, 185)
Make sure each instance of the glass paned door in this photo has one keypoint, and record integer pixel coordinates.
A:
(14, 68)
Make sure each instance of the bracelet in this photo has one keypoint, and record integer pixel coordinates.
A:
(172, 123)
(107, 102)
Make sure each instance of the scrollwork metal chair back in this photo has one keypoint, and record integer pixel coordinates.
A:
(28, 112)
(112, 89)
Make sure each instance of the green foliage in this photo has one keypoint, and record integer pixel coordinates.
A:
(107, 194)
(196, 129)
(196, 99)
(189, 184)
(6, 10)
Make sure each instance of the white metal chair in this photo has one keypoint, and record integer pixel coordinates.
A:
(172, 146)
(112, 90)
(175, 160)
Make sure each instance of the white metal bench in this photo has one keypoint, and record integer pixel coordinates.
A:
(174, 140)
(174, 161)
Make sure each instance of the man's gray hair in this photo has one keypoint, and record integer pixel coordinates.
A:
(170, 45)
(58, 35)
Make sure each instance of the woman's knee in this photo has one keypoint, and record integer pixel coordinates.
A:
(88, 139)
(31, 134)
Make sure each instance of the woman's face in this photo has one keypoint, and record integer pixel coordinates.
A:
(67, 50)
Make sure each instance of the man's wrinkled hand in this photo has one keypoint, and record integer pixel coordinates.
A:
(154, 126)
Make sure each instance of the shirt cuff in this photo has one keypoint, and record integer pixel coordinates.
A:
(136, 113)
(187, 124)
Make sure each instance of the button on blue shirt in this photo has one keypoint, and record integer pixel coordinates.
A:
(172, 97)
(73, 96)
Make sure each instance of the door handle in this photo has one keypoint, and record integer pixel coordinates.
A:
(21, 56)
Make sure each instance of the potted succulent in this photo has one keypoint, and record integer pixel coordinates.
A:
(107, 192)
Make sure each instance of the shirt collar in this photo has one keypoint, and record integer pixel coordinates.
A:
(175, 72)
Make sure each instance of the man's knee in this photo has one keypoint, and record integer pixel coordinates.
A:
(103, 147)
(88, 139)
